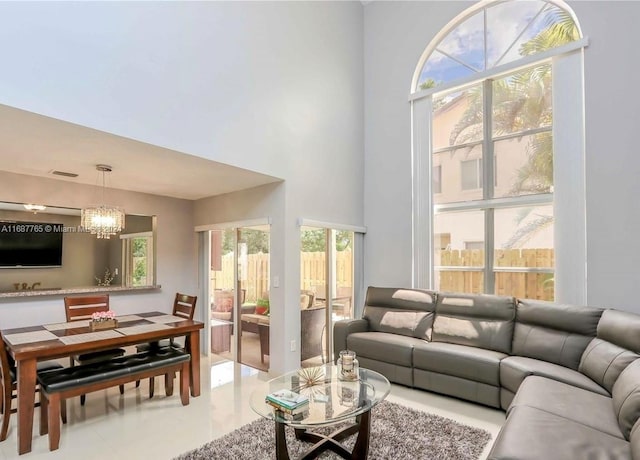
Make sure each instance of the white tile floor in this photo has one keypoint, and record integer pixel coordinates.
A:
(134, 427)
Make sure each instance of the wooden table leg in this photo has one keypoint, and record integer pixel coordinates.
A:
(194, 349)
(26, 396)
(282, 453)
(361, 449)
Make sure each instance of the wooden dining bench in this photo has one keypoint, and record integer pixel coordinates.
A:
(60, 384)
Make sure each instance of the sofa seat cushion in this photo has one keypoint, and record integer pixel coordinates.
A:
(582, 406)
(514, 369)
(382, 346)
(531, 433)
(470, 363)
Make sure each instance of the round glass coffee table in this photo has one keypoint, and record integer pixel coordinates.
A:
(330, 402)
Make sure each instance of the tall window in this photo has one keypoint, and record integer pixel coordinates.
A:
(492, 149)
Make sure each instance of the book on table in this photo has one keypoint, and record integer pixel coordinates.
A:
(301, 410)
(287, 399)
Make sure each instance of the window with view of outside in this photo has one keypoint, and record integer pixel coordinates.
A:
(492, 154)
(138, 266)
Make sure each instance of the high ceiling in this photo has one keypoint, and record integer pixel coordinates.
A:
(37, 145)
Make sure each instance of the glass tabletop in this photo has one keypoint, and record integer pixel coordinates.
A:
(330, 401)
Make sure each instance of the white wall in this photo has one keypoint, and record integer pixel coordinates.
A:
(176, 243)
(268, 86)
(274, 87)
(612, 161)
(396, 34)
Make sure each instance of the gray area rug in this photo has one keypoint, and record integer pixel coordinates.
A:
(397, 432)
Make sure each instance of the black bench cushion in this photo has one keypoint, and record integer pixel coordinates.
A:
(41, 367)
(77, 376)
(102, 355)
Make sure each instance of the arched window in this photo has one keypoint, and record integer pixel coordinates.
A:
(486, 153)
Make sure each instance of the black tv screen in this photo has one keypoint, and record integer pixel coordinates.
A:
(30, 244)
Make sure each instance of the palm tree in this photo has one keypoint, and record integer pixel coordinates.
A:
(521, 102)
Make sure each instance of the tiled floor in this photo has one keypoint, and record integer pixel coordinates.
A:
(134, 427)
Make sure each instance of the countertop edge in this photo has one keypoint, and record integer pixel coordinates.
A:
(78, 290)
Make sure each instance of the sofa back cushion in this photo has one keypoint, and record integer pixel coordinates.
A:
(620, 328)
(406, 312)
(626, 398)
(553, 332)
(477, 320)
(615, 347)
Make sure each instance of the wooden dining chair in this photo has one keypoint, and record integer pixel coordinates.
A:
(81, 308)
(8, 380)
(184, 306)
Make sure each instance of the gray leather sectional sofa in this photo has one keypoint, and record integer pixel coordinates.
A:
(568, 376)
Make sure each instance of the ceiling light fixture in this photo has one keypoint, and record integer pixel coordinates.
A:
(34, 207)
(102, 221)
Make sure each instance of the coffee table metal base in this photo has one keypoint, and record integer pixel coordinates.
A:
(362, 426)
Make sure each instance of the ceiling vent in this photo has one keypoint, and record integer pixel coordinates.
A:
(63, 173)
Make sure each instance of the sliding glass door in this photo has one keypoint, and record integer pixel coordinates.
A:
(327, 289)
(239, 291)
(221, 291)
(253, 296)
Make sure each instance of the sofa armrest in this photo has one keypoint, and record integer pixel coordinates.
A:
(341, 329)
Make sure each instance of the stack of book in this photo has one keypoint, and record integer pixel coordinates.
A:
(292, 405)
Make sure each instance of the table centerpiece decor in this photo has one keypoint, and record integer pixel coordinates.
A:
(103, 320)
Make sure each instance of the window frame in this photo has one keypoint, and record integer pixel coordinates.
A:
(569, 193)
(128, 267)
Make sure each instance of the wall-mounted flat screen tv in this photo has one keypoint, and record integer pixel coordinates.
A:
(30, 244)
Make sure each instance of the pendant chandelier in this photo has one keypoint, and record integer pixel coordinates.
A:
(102, 220)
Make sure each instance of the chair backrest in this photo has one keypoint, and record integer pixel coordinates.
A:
(184, 305)
(7, 366)
(79, 308)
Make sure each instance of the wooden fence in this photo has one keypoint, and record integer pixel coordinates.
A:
(256, 279)
(312, 272)
(526, 285)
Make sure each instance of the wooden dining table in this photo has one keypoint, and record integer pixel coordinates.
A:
(28, 345)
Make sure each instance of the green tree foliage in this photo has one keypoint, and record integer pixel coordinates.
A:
(256, 240)
(428, 83)
(139, 261)
(314, 240)
(140, 271)
(521, 102)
